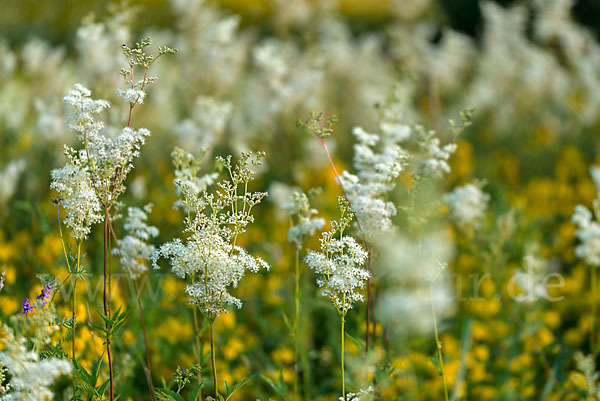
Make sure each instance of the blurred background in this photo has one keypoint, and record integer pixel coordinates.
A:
(245, 72)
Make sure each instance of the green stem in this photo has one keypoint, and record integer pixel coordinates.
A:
(343, 347)
(148, 365)
(76, 276)
(297, 323)
(438, 346)
(213, 359)
(594, 280)
(198, 351)
(106, 301)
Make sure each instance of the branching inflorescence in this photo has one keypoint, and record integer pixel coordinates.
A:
(209, 257)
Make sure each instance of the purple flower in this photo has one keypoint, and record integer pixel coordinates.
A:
(26, 307)
(46, 291)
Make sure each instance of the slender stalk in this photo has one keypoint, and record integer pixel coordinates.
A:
(369, 300)
(373, 316)
(593, 323)
(297, 323)
(306, 338)
(343, 347)
(76, 276)
(106, 301)
(139, 302)
(213, 359)
(438, 346)
(198, 350)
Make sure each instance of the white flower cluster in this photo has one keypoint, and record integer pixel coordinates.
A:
(78, 198)
(586, 364)
(340, 270)
(588, 233)
(134, 249)
(82, 120)
(206, 127)
(2, 277)
(468, 204)
(339, 265)
(9, 178)
(303, 223)
(209, 257)
(437, 156)
(4, 385)
(361, 395)
(531, 280)
(132, 95)
(376, 176)
(187, 168)
(30, 377)
(588, 227)
(110, 159)
(416, 277)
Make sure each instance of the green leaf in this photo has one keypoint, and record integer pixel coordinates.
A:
(168, 395)
(236, 387)
(356, 341)
(290, 326)
(194, 394)
(281, 390)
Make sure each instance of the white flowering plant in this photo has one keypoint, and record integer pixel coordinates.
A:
(209, 258)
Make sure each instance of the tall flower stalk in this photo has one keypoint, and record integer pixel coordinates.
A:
(438, 343)
(303, 225)
(209, 257)
(102, 166)
(135, 254)
(340, 272)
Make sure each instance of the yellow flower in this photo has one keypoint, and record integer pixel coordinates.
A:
(544, 337)
(226, 320)
(481, 352)
(282, 356)
(8, 305)
(233, 348)
(11, 274)
(6, 252)
(129, 338)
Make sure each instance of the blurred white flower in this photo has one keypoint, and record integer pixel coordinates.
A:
(361, 395)
(304, 224)
(30, 377)
(134, 249)
(588, 234)
(9, 179)
(468, 204)
(415, 278)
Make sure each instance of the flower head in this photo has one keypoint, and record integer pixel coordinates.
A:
(31, 378)
(27, 307)
(45, 293)
(588, 233)
(134, 250)
(339, 265)
(467, 205)
(304, 224)
(210, 256)
(77, 196)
